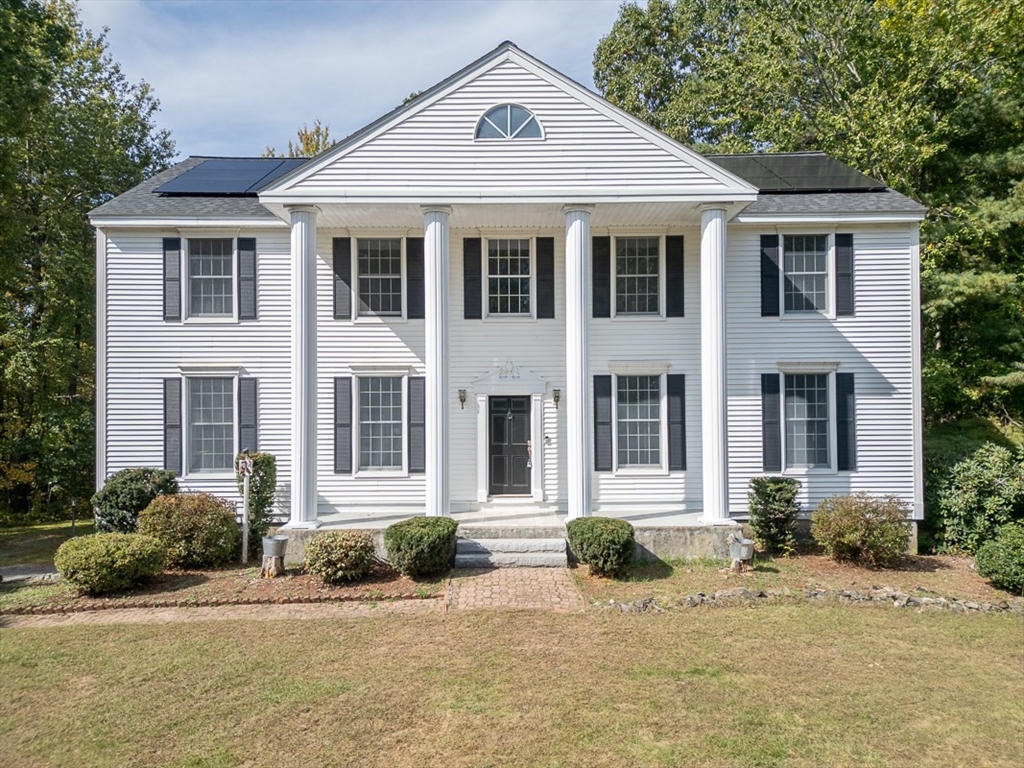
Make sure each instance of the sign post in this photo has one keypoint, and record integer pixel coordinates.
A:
(245, 470)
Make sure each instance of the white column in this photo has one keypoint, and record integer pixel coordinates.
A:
(304, 370)
(435, 252)
(577, 357)
(713, 368)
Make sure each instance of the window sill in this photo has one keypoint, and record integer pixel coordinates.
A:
(511, 318)
(641, 472)
(379, 319)
(212, 320)
(639, 318)
(813, 317)
(217, 474)
(809, 471)
(380, 474)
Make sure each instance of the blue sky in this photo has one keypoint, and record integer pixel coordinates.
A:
(233, 77)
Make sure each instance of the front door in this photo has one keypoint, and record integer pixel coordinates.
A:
(509, 450)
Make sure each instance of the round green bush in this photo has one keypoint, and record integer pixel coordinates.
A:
(773, 513)
(863, 528)
(337, 556)
(1001, 560)
(606, 544)
(109, 562)
(126, 493)
(421, 546)
(199, 530)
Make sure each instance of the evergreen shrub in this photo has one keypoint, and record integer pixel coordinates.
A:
(773, 513)
(198, 529)
(859, 527)
(126, 493)
(337, 556)
(421, 546)
(605, 544)
(1001, 560)
(109, 562)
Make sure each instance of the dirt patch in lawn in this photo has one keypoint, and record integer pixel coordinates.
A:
(222, 586)
(928, 575)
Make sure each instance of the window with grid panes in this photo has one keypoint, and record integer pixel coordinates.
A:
(637, 284)
(807, 420)
(508, 277)
(638, 421)
(210, 277)
(211, 424)
(380, 422)
(805, 265)
(380, 276)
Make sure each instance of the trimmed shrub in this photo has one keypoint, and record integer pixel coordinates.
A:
(198, 529)
(109, 562)
(421, 546)
(337, 556)
(606, 544)
(262, 487)
(773, 513)
(126, 493)
(982, 493)
(867, 529)
(1001, 560)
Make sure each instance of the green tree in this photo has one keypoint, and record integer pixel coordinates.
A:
(75, 133)
(309, 142)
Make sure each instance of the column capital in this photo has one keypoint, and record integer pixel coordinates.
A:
(445, 209)
(578, 208)
(303, 208)
(708, 207)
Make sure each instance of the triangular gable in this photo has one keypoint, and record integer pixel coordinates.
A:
(427, 150)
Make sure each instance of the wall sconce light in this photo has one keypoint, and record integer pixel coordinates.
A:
(462, 398)
(556, 395)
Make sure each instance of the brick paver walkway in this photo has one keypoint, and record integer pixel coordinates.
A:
(517, 588)
(512, 588)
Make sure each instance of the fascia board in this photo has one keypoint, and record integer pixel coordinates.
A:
(826, 218)
(525, 195)
(122, 222)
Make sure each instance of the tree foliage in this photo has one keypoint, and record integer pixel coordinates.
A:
(924, 95)
(73, 133)
(309, 142)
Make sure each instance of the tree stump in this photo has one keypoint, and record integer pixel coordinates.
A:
(272, 566)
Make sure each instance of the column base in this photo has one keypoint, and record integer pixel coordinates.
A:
(305, 525)
(709, 520)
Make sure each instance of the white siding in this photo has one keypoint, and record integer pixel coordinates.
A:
(582, 148)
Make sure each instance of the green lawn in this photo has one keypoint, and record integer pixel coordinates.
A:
(779, 685)
(36, 544)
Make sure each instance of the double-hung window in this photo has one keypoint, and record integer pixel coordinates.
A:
(210, 409)
(211, 277)
(380, 276)
(381, 422)
(637, 275)
(805, 262)
(808, 417)
(508, 277)
(638, 421)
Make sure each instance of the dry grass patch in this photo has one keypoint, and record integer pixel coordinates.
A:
(785, 685)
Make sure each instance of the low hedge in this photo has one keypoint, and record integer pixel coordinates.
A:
(109, 562)
(605, 544)
(117, 504)
(421, 546)
(337, 556)
(859, 527)
(199, 530)
(1001, 560)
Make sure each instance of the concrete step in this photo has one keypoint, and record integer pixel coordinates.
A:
(479, 531)
(512, 560)
(487, 546)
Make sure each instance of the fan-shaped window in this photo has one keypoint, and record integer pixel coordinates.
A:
(508, 122)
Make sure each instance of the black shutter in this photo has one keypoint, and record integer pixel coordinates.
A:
(172, 278)
(846, 417)
(770, 275)
(676, 421)
(414, 278)
(545, 277)
(343, 425)
(247, 415)
(603, 423)
(417, 424)
(601, 264)
(172, 425)
(844, 275)
(771, 428)
(471, 279)
(342, 278)
(674, 276)
(247, 278)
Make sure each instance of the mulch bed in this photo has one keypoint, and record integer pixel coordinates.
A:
(238, 585)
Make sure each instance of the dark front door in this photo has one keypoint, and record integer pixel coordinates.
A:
(509, 450)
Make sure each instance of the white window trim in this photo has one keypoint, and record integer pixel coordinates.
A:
(358, 317)
(190, 373)
(650, 470)
(360, 471)
(635, 316)
(187, 317)
(514, 137)
(830, 275)
(486, 280)
(829, 371)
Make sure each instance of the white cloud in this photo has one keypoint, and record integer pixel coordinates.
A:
(234, 77)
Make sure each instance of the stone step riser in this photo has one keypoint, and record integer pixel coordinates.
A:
(485, 546)
(512, 560)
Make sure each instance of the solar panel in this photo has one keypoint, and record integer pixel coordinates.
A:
(797, 172)
(229, 176)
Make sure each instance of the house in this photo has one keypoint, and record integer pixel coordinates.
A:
(508, 300)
